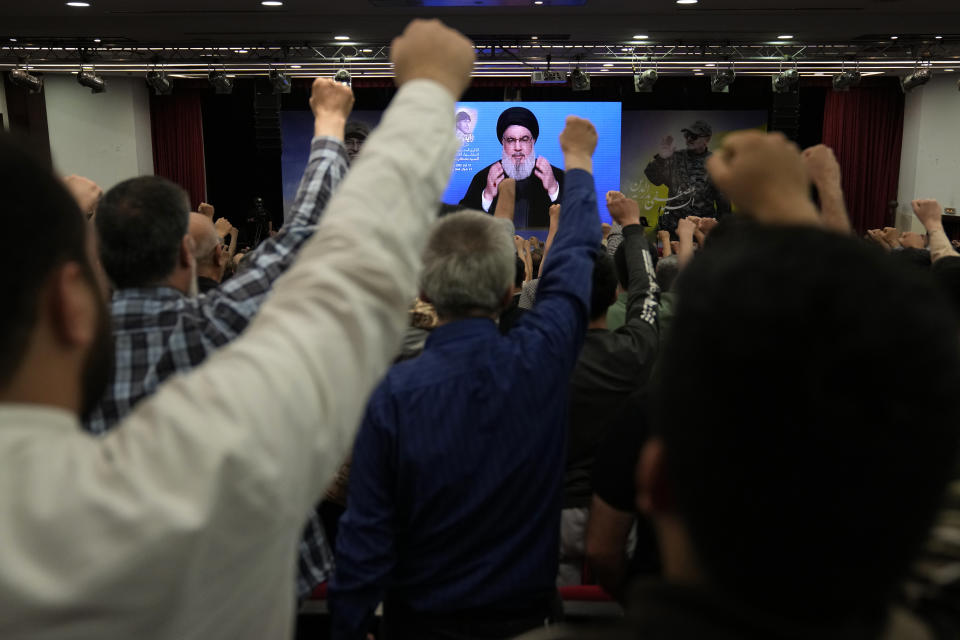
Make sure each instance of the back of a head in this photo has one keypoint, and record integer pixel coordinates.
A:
(812, 463)
(604, 290)
(141, 223)
(46, 229)
(468, 265)
(667, 271)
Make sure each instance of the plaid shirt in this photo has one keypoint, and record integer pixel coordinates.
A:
(158, 331)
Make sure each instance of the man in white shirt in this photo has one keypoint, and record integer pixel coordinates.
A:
(161, 529)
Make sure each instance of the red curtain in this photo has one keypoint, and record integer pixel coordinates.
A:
(176, 125)
(865, 128)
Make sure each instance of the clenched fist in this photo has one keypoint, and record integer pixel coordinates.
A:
(929, 213)
(822, 165)
(623, 210)
(85, 192)
(765, 175)
(666, 147)
(427, 49)
(544, 171)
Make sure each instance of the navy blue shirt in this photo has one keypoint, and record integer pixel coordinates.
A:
(455, 486)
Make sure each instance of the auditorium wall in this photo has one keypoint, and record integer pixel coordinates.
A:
(4, 114)
(930, 161)
(104, 136)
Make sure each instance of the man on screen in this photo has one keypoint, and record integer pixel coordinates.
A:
(538, 182)
(684, 172)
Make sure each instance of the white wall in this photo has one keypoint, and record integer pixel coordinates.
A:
(3, 107)
(104, 136)
(930, 160)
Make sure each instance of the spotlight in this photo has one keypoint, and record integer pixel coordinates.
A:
(579, 80)
(643, 82)
(916, 79)
(343, 77)
(280, 82)
(220, 82)
(846, 79)
(23, 78)
(721, 81)
(92, 81)
(160, 83)
(785, 81)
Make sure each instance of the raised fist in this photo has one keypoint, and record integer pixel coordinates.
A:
(623, 210)
(686, 228)
(911, 240)
(822, 165)
(765, 175)
(429, 50)
(578, 138)
(330, 98)
(666, 147)
(223, 227)
(706, 225)
(929, 213)
(85, 192)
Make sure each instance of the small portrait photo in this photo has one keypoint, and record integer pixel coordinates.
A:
(466, 123)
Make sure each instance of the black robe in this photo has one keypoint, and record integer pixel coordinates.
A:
(533, 201)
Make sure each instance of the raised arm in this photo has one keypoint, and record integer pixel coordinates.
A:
(280, 405)
(930, 214)
(229, 307)
(554, 212)
(824, 172)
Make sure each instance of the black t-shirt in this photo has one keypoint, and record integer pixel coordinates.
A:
(614, 482)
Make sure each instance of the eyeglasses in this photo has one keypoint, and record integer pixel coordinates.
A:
(523, 140)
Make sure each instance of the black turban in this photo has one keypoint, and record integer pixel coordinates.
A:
(520, 116)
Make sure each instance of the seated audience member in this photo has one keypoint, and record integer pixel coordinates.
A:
(160, 328)
(789, 497)
(457, 475)
(182, 522)
(612, 370)
(208, 250)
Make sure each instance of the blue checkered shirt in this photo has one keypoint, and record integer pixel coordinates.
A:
(158, 331)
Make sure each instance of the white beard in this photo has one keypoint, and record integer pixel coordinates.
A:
(518, 170)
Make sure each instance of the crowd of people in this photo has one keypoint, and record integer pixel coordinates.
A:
(749, 433)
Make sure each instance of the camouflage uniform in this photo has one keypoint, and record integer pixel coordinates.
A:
(691, 191)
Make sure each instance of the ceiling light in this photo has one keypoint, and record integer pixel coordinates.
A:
(160, 83)
(221, 83)
(641, 37)
(23, 78)
(534, 37)
(785, 81)
(846, 79)
(366, 50)
(916, 79)
(272, 3)
(96, 39)
(949, 70)
(242, 51)
(341, 37)
(785, 36)
(538, 2)
(894, 37)
(92, 81)
(13, 39)
(78, 4)
(939, 37)
(721, 81)
(687, 1)
(608, 64)
(643, 82)
(295, 66)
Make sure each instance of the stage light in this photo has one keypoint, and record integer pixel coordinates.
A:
(23, 78)
(846, 79)
(916, 79)
(92, 81)
(785, 81)
(343, 77)
(160, 83)
(280, 82)
(579, 80)
(220, 82)
(721, 81)
(643, 82)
